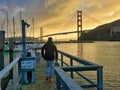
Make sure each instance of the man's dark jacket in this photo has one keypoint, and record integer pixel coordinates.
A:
(49, 51)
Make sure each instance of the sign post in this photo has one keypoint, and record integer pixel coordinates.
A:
(26, 64)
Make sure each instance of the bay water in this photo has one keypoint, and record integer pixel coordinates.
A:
(106, 54)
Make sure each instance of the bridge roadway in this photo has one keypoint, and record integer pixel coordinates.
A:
(63, 33)
(40, 82)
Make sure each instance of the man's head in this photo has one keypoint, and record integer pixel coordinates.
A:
(50, 39)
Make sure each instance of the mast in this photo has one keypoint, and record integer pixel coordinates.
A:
(41, 33)
(20, 27)
(33, 26)
(20, 16)
(7, 24)
(14, 28)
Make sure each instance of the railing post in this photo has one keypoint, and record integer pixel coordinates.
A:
(71, 64)
(2, 38)
(99, 79)
(61, 59)
(58, 85)
(0, 85)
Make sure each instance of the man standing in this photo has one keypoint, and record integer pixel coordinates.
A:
(49, 53)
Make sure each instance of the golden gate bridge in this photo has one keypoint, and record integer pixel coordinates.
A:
(79, 26)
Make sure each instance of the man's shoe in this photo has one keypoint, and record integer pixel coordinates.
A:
(47, 78)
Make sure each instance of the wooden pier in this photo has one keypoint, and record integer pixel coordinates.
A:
(40, 82)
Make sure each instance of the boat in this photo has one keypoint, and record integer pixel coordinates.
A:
(34, 46)
(17, 46)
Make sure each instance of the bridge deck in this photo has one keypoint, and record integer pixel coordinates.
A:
(40, 82)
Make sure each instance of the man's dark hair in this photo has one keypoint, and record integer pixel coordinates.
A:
(50, 39)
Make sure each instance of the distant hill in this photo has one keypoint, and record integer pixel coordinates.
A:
(101, 32)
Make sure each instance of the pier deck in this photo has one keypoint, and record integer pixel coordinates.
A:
(40, 82)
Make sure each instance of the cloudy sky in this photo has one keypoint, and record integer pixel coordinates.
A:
(59, 15)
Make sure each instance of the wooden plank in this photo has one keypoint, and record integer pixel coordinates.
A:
(66, 81)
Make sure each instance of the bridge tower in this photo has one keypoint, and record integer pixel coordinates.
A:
(41, 33)
(79, 24)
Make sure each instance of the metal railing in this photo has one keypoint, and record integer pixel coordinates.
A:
(85, 66)
(6, 70)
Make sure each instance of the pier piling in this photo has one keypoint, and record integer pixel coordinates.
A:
(11, 56)
(2, 35)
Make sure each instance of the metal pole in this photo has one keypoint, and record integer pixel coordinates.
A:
(24, 38)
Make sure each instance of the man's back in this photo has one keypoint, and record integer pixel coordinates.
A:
(49, 51)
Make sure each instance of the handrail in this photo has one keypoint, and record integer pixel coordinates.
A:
(66, 81)
(8, 68)
(81, 68)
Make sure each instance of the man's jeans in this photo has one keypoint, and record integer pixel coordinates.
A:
(49, 68)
